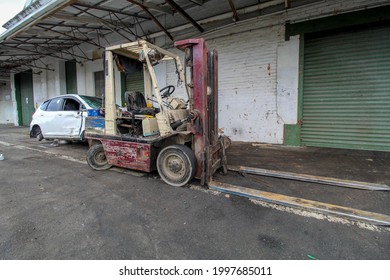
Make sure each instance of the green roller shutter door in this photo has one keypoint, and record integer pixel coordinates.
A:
(346, 90)
(135, 82)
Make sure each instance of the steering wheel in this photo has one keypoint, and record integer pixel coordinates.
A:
(167, 91)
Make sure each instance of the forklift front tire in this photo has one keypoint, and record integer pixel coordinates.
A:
(176, 165)
(96, 158)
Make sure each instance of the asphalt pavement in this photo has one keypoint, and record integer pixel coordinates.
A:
(54, 206)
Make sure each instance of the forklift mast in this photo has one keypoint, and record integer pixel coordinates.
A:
(208, 147)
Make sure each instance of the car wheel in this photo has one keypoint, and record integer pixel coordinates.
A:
(37, 133)
(96, 158)
(176, 165)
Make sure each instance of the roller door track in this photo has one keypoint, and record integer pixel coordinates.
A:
(346, 90)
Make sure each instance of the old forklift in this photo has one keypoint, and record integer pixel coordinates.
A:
(177, 137)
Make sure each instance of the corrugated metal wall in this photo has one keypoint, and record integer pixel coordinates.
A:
(247, 86)
(346, 90)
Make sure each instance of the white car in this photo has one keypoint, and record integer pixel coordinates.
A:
(63, 117)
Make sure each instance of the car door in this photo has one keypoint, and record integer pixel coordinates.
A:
(72, 118)
(51, 117)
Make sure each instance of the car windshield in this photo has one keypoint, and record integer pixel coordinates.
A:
(93, 102)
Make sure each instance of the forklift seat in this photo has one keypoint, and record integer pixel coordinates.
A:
(136, 103)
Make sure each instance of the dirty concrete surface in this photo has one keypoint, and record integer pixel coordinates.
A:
(365, 166)
(53, 206)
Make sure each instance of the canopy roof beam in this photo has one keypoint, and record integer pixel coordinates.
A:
(85, 19)
(153, 6)
(152, 17)
(177, 8)
(74, 26)
(43, 54)
(89, 41)
(197, 2)
(109, 10)
(108, 24)
(56, 38)
(235, 14)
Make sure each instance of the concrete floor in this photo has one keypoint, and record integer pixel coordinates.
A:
(365, 166)
(53, 206)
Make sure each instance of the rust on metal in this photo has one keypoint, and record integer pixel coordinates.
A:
(200, 126)
(313, 179)
(137, 156)
(310, 205)
(234, 10)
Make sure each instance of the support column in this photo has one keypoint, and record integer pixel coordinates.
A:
(110, 108)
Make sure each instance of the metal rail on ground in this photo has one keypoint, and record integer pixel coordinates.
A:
(305, 204)
(311, 178)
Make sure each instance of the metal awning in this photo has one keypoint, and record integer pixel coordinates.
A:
(69, 29)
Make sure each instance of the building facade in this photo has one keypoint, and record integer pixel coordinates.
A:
(317, 74)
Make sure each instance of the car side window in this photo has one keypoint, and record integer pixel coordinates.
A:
(55, 105)
(71, 105)
(44, 105)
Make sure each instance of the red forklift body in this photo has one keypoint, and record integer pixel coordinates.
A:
(206, 144)
(132, 155)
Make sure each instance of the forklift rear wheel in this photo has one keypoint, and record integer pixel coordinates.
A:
(176, 165)
(96, 158)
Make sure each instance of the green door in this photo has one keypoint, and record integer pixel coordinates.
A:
(346, 90)
(71, 77)
(24, 97)
(135, 81)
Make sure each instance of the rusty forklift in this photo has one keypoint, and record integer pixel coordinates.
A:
(178, 137)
